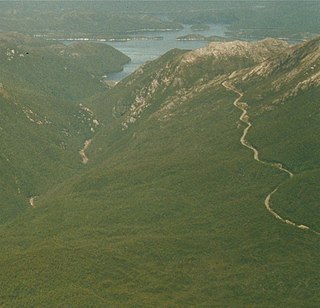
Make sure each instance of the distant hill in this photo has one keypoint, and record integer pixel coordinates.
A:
(293, 20)
(56, 69)
(201, 187)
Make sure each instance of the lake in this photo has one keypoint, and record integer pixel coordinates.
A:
(141, 51)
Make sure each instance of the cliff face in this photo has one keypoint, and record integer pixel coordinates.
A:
(256, 51)
(297, 69)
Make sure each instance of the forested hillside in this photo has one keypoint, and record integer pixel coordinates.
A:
(44, 119)
(200, 189)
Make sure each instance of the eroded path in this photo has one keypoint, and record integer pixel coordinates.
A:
(246, 120)
(82, 152)
(32, 201)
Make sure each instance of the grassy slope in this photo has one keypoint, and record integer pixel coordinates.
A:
(172, 215)
(154, 229)
(287, 131)
(74, 70)
(289, 134)
(40, 80)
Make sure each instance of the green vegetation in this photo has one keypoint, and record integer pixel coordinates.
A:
(107, 19)
(286, 127)
(93, 19)
(42, 125)
(28, 61)
(169, 211)
(299, 199)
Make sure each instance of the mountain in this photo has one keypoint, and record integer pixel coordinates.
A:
(293, 20)
(90, 19)
(44, 119)
(27, 61)
(201, 189)
(287, 116)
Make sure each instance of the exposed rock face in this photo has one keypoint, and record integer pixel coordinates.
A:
(257, 51)
(141, 102)
(295, 60)
(192, 72)
(290, 73)
(178, 78)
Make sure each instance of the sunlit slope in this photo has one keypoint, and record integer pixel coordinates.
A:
(170, 209)
(283, 99)
(161, 86)
(42, 126)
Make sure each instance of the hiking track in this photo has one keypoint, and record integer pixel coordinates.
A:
(244, 118)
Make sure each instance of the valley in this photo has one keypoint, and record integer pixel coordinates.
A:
(42, 121)
(191, 181)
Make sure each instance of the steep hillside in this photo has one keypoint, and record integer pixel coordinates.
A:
(186, 200)
(66, 72)
(42, 126)
(287, 98)
(285, 115)
(169, 79)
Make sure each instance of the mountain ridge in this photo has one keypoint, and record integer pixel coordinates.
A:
(171, 211)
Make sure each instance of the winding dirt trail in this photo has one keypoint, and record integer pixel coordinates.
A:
(245, 119)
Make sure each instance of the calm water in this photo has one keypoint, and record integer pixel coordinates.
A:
(142, 51)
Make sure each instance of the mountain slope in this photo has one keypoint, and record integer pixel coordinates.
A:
(43, 123)
(285, 116)
(169, 210)
(67, 72)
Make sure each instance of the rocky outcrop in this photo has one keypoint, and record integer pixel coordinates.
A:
(257, 51)
(188, 74)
